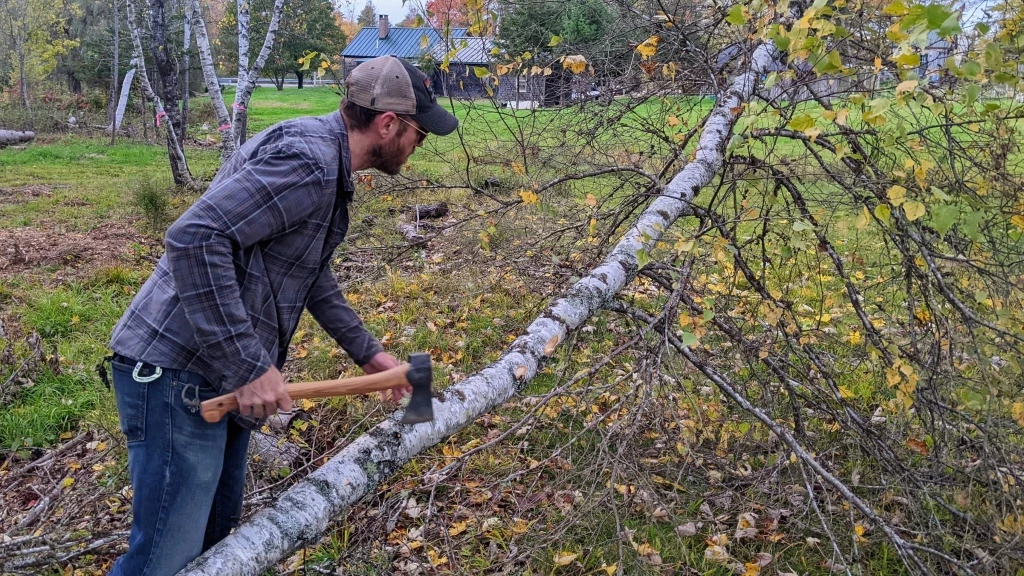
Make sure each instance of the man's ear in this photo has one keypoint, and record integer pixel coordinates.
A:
(385, 125)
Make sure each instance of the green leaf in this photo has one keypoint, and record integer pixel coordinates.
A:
(973, 90)
(982, 28)
(936, 15)
(950, 27)
(801, 123)
(896, 8)
(908, 60)
(481, 71)
(970, 68)
(736, 17)
(800, 226)
(943, 217)
(883, 212)
(642, 257)
(555, 41)
(689, 339)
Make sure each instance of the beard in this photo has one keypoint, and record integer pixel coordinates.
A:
(388, 157)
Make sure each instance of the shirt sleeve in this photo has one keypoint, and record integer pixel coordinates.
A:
(328, 306)
(274, 191)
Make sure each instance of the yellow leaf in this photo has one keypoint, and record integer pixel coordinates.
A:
(856, 338)
(914, 210)
(1018, 413)
(457, 528)
(673, 121)
(520, 526)
(435, 558)
(878, 64)
(859, 529)
(529, 197)
(564, 558)
(646, 549)
(906, 86)
(75, 319)
(649, 47)
(67, 482)
(845, 392)
(609, 570)
(591, 200)
(842, 116)
(897, 195)
(751, 569)
(863, 219)
(101, 446)
(301, 352)
(518, 168)
(74, 465)
(575, 64)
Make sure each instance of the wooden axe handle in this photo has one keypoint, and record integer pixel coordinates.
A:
(216, 408)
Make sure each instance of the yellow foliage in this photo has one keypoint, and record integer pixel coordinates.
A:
(649, 47)
(575, 64)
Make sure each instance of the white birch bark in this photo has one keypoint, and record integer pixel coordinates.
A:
(122, 103)
(247, 76)
(227, 133)
(9, 137)
(147, 90)
(303, 512)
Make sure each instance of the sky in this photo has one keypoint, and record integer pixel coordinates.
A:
(393, 8)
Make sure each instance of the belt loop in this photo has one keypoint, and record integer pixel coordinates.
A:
(156, 373)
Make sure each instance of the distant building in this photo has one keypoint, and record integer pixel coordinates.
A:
(425, 48)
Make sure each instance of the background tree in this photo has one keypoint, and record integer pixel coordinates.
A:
(309, 26)
(368, 15)
(445, 14)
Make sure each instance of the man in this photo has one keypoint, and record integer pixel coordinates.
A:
(219, 311)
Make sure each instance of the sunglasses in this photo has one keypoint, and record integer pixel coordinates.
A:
(423, 133)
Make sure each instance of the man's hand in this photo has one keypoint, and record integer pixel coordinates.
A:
(379, 363)
(264, 396)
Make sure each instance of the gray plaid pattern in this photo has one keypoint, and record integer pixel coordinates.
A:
(244, 261)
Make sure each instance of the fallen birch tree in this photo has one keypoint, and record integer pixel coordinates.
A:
(11, 137)
(302, 513)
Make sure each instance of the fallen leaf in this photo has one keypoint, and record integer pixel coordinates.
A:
(564, 558)
(686, 530)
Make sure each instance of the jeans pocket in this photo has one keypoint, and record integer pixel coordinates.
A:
(131, 402)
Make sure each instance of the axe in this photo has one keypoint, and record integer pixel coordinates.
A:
(416, 372)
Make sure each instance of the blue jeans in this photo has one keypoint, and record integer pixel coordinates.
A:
(188, 475)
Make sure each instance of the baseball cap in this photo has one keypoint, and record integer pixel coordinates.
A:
(390, 84)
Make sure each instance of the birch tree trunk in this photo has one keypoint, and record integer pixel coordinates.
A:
(227, 133)
(247, 76)
(114, 106)
(304, 511)
(232, 127)
(185, 81)
(167, 74)
(9, 137)
(179, 167)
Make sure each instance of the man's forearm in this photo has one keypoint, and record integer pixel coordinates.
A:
(328, 306)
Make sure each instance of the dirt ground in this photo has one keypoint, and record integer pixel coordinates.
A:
(68, 255)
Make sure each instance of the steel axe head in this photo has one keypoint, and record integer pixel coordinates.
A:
(420, 376)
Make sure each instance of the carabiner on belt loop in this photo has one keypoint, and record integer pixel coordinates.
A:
(156, 373)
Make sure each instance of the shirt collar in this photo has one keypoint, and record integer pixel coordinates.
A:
(345, 170)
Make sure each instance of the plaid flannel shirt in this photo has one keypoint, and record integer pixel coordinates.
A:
(244, 261)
